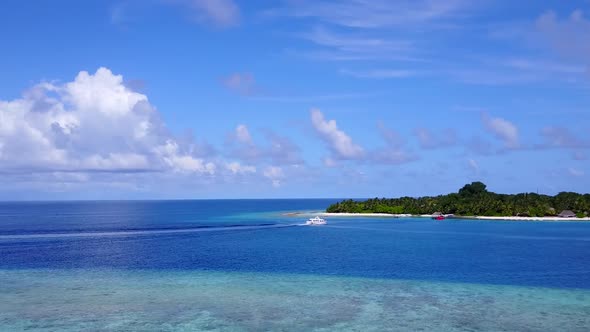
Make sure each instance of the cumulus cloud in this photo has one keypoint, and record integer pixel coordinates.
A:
(92, 124)
(172, 157)
(339, 143)
(503, 130)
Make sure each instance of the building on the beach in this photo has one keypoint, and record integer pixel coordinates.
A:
(567, 214)
(436, 214)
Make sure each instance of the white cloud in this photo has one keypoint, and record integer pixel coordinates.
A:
(338, 141)
(93, 123)
(502, 129)
(171, 155)
(243, 134)
(237, 168)
(275, 174)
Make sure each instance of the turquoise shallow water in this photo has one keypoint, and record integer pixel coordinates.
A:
(75, 300)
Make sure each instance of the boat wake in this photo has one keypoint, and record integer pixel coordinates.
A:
(124, 233)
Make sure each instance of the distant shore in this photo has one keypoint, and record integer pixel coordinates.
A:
(387, 215)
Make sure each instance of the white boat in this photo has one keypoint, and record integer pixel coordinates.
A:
(315, 221)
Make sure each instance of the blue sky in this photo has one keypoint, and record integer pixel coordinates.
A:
(246, 99)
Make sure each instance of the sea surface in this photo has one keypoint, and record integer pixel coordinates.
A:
(249, 265)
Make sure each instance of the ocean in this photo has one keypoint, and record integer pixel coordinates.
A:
(248, 265)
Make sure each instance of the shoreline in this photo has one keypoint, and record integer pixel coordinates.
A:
(386, 215)
(350, 214)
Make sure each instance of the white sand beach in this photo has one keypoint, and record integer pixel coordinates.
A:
(511, 218)
(386, 215)
(531, 218)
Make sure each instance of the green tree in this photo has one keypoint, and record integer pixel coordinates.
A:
(472, 199)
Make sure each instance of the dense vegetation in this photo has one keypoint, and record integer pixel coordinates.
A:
(473, 200)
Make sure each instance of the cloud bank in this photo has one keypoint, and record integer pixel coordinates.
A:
(98, 126)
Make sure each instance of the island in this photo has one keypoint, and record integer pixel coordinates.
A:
(474, 201)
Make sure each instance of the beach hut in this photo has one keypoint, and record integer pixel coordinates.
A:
(567, 214)
(436, 214)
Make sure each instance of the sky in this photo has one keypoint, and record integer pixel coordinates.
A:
(182, 99)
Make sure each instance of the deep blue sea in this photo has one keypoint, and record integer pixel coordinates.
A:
(249, 265)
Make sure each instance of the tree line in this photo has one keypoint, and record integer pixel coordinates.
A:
(473, 200)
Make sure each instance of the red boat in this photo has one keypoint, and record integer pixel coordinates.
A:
(439, 218)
